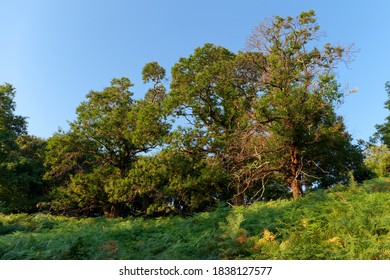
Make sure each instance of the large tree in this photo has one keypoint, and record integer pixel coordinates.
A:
(268, 113)
(213, 89)
(298, 95)
(110, 132)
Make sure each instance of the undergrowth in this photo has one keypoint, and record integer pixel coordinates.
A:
(347, 222)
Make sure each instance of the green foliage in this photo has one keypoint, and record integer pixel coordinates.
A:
(31, 169)
(21, 158)
(268, 114)
(298, 95)
(177, 182)
(11, 125)
(377, 156)
(105, 122)
(152, 72)
(12, 191)
(261, 125)
(65, 156)
(341, 224)
(383, 130)
(89, 165)
(26, 237)
(207, 91)
(378, 159)
(117, 128)
(322, 225)
(83, 195)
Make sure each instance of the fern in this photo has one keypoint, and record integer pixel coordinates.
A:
(343, 223)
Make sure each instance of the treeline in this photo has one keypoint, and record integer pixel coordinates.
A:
(230, 127)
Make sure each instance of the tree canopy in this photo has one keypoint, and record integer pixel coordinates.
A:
(298, 93)
(383, 130)
(21, 158)
(104, 142)
(268, 112)
(256, 124)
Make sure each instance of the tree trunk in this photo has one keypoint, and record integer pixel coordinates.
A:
(295, 173)
(238, 199)
(112, 211)
(296, 188)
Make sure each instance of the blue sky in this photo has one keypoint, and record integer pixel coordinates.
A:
(55, 52)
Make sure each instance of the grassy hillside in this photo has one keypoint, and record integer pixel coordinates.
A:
(345, 223)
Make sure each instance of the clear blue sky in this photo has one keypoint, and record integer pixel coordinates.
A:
(55, 52)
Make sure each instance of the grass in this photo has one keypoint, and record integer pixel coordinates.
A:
(343, 223)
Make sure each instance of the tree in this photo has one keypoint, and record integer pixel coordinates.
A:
(298, 93)
(117, 127)
(153, 72)
(66, 156)
(383, 130)
(21, 158)
(378, 159)
(213, 90)
(104, 142)
(208, 91)
(12, 193)
(177, 182)
(11, 125)
(268, 113)
(31, 166)
(378, 156)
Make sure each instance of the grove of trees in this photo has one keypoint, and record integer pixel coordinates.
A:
(230, 127)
